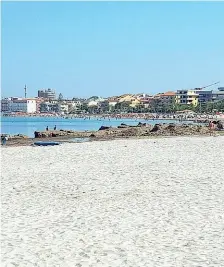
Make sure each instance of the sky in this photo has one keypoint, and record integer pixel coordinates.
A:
(82, 49)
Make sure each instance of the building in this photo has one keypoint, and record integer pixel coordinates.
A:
(6, 104)
(112, 102)
(204, 96)
(25, 105)
(47, 94)
(187, 97)
(218, 95)
(63, 108)
(168, 98)
(74, 106)
(163, 102)
(93, 103)
(145, 99)
(126, 98)
(47, 107)
(103, 105)
(38, 102)
(135, 103)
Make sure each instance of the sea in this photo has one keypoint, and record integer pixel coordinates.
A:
(28, 125)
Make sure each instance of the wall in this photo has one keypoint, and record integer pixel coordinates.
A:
(31, 106)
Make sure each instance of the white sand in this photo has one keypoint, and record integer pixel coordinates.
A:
(157, 202)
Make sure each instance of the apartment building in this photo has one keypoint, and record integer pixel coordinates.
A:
(47, 94)
(5, 104)
(27, 105)
(187, 97)
(218, 95)
(49, 107)
(167, 98)
(204, 96)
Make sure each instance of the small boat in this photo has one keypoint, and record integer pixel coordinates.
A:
(47, 143)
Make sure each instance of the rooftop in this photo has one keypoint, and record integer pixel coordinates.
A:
(169, 93)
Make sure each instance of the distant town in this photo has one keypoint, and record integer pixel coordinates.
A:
(201, 100)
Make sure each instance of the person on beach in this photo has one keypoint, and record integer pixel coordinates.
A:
(47, 128)
(4, 140)
(211, 128)
(55, 128)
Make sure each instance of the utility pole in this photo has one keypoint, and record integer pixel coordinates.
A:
(25, 90)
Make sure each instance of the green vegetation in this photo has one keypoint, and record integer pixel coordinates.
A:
(156, 106)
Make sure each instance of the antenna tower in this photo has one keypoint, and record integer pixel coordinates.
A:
(25, 90)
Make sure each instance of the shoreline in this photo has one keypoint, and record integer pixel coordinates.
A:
(122, 131)
(148, 116)
(70, 139)
(92, 123)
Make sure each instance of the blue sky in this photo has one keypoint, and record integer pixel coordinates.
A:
(111, 48)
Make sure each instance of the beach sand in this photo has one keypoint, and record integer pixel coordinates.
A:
(156, 202)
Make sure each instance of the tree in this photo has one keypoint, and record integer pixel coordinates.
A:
(93, 98)
(60, 97)
(84, 107)
(123, 106)
(155, 105)
(219, 105)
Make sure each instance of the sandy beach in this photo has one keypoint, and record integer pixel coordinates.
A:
(147, 202)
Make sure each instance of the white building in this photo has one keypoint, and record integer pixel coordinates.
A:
(63, 108)
(27, 105)
(93, 103)
(112, 103)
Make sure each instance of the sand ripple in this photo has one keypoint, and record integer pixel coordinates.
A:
(157, 202)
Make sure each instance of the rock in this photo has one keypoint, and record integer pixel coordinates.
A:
(220, 125)
(140, 124)
(141, 129)
(36, 134)
(171, 126)
(44, 135)
(104, 128)
(19, 136)
(122, 126)
(156, 128)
